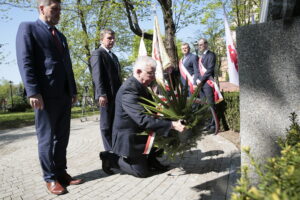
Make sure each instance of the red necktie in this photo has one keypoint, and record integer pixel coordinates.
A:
(56, 40)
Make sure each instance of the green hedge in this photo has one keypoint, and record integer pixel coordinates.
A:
(228, 111)
(280, 176)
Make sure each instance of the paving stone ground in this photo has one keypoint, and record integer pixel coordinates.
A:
(207, 172)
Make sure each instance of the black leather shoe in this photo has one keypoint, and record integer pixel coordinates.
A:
(105, 163)
(155, 165)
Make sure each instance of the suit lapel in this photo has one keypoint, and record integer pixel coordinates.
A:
(113, 67)
(61, 38)
(47, 33)
(187, 59)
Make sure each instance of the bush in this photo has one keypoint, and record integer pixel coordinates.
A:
(279, 177)
(228, 111)
(20, 104)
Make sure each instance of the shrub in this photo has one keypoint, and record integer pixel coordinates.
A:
(228, 111)
(20, 104)
(279, 177)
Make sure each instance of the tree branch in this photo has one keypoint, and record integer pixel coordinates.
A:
(133, 21)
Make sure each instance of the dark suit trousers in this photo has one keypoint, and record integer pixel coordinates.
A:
(53, 130)
(137, 166)
(107, 114)
(206, 93)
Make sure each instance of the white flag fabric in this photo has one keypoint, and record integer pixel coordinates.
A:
(232, 60)
(142, 48)
(159, 53)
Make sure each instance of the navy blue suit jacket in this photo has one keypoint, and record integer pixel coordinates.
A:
(44, 70)
(130, 119)
(106, 74)
(209, 62)
(191, 64)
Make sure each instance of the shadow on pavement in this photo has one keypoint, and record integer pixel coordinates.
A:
(9, 138)
(198, 162)
(221, 188)
(92, 175)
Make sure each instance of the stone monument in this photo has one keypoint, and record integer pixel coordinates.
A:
(269, 72)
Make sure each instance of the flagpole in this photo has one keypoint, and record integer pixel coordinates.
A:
(264, 11)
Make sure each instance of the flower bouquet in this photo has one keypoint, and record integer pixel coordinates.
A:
(176, 104)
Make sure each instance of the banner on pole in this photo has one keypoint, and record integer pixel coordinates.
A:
(232, 60)
(142, 48)
(159, 53)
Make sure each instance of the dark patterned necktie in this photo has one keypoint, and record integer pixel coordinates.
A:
(57, 42)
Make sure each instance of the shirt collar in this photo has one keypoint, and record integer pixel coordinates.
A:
(108, 51)
(205, 51)
(47, 25)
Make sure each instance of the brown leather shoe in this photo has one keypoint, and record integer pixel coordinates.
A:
(56, 188)
(66, 179)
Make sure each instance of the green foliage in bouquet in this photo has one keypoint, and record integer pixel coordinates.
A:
(176, 104)
(279, 177)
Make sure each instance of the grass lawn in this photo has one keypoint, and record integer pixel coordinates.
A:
(17, 120)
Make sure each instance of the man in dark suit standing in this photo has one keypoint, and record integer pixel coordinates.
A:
(106, 73)
(46, 70)
(208, 61)
(130, 120)
(188, 67)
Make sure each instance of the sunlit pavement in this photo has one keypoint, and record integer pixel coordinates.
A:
(207, 172)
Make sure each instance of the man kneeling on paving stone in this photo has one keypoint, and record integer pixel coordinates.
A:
(130, 120)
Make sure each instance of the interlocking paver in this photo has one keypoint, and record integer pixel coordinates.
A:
(207, 173)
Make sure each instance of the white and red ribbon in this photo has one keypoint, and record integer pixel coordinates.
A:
(187, 76)
(149, 143)
(212, 83)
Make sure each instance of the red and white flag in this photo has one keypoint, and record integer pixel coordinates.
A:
(159, 53)
(232, 58)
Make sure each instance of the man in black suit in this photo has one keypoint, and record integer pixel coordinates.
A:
(208, 60)
(46, 70)
(107, 79)
(130, 120)
(190, 70)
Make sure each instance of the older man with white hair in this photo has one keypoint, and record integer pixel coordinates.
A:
(130, 120)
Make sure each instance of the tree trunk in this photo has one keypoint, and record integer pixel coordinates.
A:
(170, 31)
(84, 29)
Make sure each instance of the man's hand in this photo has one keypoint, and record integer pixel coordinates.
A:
(74, 99)
(36, 101)
(178, 126)
(102, 101)
(195, 87)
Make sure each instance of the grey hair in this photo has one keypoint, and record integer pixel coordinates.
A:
(204, 40)
(105, 31)
(142, 62)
